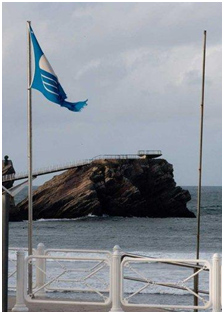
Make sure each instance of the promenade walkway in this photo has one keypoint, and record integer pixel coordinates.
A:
(142, 154)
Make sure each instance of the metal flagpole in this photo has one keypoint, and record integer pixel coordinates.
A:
(196, 281)
(29, 155)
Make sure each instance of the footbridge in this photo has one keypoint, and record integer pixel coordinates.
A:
(142, 154)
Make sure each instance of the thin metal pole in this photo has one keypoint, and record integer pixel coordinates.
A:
(196, 279)
(29, 155)
(5, 246)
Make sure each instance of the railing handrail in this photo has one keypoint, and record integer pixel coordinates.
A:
(113, 283)
(171, 262)
(77, 258)
(78, 163)
(176, 262)
(105, 252)
(29, 298)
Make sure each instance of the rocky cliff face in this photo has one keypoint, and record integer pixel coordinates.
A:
(142, 188)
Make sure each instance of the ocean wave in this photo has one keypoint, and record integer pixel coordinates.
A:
(60, 219)
(89, 216)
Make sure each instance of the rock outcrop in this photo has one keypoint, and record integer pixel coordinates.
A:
(142, 188)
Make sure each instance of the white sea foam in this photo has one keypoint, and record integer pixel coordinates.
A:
(61, 219)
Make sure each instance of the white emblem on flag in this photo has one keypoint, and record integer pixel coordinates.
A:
(47, 80)
(45, 65)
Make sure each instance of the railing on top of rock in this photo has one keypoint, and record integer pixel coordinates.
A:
(75, 164)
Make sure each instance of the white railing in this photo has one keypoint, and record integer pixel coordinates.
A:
(87, 274)
(74, 164)
(93, 270)
(12, 262)
(170, 276)
(12, 268)
(149, 152)
(118, 279)
(40, 250)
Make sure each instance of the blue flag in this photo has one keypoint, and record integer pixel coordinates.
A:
(46, 81)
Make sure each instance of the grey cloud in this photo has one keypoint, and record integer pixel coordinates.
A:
(140, 66)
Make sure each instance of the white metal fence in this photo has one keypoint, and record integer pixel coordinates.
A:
(12, 266)
(172, 277)
(77, 274)
(117, 279)
(95, 267)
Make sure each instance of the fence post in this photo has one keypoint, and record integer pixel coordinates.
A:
(20, 305)
(40, 270)
(115, 280)
(216, 283)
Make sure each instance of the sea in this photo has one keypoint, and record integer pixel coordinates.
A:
(167, 238)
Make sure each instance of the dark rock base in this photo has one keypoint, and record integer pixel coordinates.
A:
(140, 188)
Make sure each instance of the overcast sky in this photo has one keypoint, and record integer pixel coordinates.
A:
(140, 66)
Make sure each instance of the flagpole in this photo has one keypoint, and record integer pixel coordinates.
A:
(29, 155)
(196, 279)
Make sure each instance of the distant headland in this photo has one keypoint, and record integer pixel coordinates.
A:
(127, 187)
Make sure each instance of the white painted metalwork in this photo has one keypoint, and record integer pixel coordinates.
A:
(102, 254)
(216, 283)
(52, 252)
(116, 279)
(143, 277)
(13, 266)
(104, 278)
(83, 272)
(39, 277)
(20, 305)
(40, 271)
